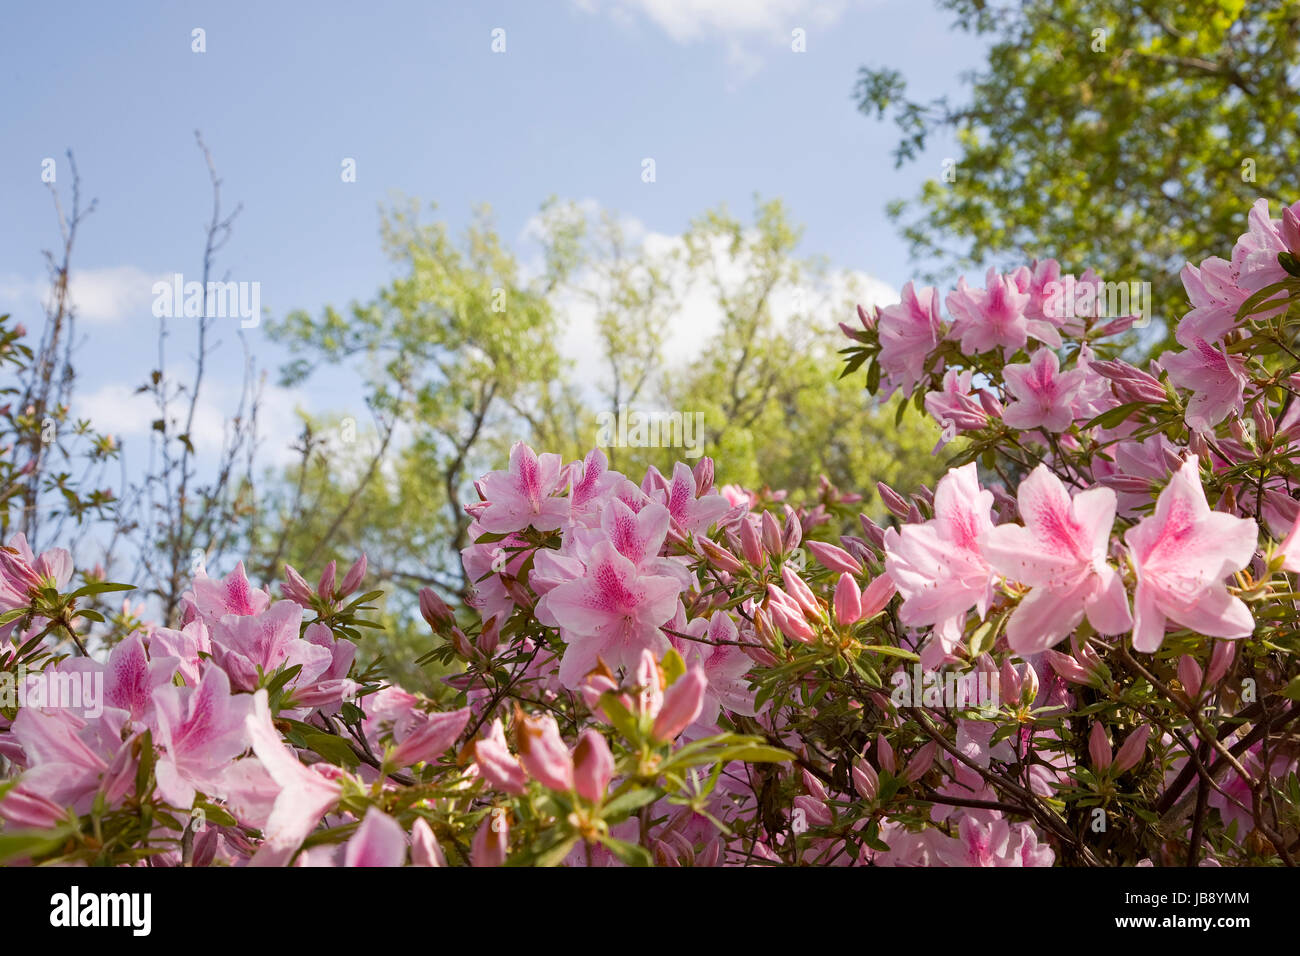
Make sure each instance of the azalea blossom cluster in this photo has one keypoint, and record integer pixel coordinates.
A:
(1078, 648)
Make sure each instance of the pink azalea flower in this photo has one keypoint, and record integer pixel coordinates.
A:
(1043, 396)
(995, 317)
(1255, 253)
(592, 483)
(611, 613)
(693, 515)
(1060, 552)
(130, 677)
(250, 647)
(1215, 378)
(1215, 297)
(724, 664)
(522, 496)
(231, 595)
(200, 730)
(937, 566)
(908, 331)
(305, 795)
(955, 404)
(1182, 553)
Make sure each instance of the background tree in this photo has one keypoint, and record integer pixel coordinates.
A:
(1122, 135)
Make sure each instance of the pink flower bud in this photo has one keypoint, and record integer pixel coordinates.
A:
(425, 850)
(718, 556)
(703, 472)
(490, 637)
(1190, 676)
(593, 766)
(834, 558)
(326, 588)
(793, 530)
(352, 580)
(771, 533)
(875, 534)
(848, 601)
(431, 738)
(1099, 746)
(799, 590)
(1030, 685)
(885, 754)
(461, 643)
(877, 595)
(787, 616)
(492, 842)
(1221, 659)
(542, 751)
(497, 765)
(750, 545)
(295, 587)
(683, 702)
(434, 611)
(1068, 668)
(868, 319)
(921, 762)
(1264, 427)
(815, 812)
(1132, 750)
(865, 780)
(1009, 681)
(892, 500)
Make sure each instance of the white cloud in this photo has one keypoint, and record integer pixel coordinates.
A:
(100, 296)
(688, 20)
(128, 415)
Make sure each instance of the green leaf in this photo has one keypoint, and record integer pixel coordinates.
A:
(629, 853)
(618, 809)
(891, 651)
(15, 844)
(334, 749)
(620, 716)
(674, 666)
(99, 587)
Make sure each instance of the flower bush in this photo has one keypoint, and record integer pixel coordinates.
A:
(1079, 648)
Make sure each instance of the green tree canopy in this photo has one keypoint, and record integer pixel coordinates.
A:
(1126, 135)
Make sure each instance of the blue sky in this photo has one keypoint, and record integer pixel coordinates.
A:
(585, 90)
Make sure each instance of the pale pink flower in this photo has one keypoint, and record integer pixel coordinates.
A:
(1215, 378)
(1043, 396)
(995, 317)
(611, 613)
(1060, 553)
(908, 331)
(1182, 553)
(937, 566)
(305, 795)
(200, 730)
(522, 496)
